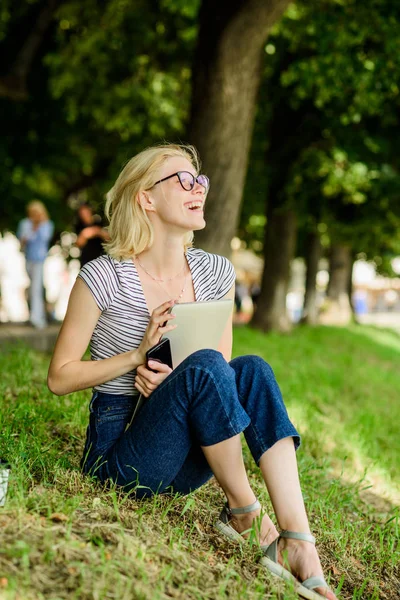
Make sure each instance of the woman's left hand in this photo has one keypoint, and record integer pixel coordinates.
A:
(147, 381)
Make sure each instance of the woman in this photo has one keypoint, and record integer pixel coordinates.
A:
(90, 234)
(189, 427)
(35, 233)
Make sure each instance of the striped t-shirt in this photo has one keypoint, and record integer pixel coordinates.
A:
(118, 293)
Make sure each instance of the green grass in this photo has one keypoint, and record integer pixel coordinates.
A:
(64, 536)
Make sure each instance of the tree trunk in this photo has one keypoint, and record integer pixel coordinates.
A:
(13, 85)
(279, 249)
(336, 309)
(226, 76)
(290, 132)
(313, 255)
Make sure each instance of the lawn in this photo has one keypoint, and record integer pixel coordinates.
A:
(64, 536)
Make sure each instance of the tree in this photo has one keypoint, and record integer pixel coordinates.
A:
(335, 75)
(106, 80)
(226, 75)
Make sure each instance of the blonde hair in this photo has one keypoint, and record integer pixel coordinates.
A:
(130, 229)
(38, 207)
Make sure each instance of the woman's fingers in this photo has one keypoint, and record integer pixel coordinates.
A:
(147, 381)
(142, 390)
(162, 313)
(162, 320)
(144, 373)
(163, 308)
(144, 385)
(159, 324)
(159, 367)
(164, 330)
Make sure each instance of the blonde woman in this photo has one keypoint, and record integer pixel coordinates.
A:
(35, 233)
(189, 427)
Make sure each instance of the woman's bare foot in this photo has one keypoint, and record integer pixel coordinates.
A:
(303, 561)
(266, 529)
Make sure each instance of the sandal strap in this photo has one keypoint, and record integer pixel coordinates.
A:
(271, 551)
(242, 510)
(314, 582)
(294, 535)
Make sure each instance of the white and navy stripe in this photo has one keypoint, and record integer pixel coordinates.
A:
(118, 293)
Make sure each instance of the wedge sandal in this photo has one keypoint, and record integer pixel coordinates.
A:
(270, 561)
(222, 523)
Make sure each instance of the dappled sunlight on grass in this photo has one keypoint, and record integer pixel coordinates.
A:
(341, 387)
(349, 456)
(384, 337)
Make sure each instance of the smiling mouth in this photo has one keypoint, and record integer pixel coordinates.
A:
(195, 207)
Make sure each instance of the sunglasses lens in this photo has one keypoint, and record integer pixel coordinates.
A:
(204, 181)
(187, 180)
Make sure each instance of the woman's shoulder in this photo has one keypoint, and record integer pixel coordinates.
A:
(217, 272)
(104, 269)
(102, 276)
(215, 261)
(104, 263)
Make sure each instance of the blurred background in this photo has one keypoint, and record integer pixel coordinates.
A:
(294, 108)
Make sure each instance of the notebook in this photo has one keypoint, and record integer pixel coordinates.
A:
(199, 325)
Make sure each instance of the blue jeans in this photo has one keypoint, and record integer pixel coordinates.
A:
(205, 400)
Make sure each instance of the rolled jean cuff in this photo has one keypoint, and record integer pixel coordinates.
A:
(230, 431)
(258, 449)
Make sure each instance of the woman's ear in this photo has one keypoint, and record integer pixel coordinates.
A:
(145, 201)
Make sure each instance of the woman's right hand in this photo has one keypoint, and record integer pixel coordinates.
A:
(157, 327)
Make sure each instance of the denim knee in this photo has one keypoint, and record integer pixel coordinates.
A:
(215, 412)
(253, 363)
(207, 358)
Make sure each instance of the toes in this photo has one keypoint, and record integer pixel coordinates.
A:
(326, 593)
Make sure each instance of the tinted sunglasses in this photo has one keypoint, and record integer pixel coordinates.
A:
(188, 181)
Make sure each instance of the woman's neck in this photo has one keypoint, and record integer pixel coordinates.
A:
(163, 262)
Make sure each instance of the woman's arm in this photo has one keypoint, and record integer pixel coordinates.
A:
(68, 372)
(225, 345)
(90, 232)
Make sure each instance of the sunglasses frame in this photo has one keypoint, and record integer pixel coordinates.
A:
(195, 180)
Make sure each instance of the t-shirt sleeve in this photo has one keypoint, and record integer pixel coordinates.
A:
(100, 276)
(224, 274)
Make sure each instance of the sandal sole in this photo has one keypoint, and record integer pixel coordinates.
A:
(279, 571)
(229, 532)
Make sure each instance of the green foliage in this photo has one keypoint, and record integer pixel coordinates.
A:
(122, 72)
(347, 58)
(324, 142)
(110, 79)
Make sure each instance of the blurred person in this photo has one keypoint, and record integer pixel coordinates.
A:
(241, 292)
(391, 298)
(360, 302)
(91, 234)
(189, 427)
(14, 280)
(34, 234)
(255, 291)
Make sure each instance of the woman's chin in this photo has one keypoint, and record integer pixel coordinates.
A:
(200, 225)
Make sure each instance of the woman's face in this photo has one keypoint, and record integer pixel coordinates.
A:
(174, 205)
(85, 214)
(36, 215)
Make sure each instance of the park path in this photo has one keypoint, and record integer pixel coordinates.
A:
(38, 339)
(387, 320)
